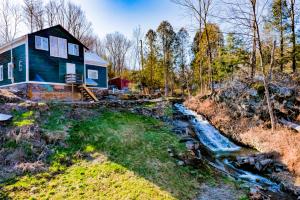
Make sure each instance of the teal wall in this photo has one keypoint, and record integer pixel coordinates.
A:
(19, 54)
(52, 69)
(102, 75)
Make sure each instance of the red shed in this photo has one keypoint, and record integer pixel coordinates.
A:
(119, 83)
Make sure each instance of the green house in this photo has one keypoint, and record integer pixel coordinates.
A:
(51, 61)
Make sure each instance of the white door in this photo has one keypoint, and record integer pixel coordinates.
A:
(71, 68)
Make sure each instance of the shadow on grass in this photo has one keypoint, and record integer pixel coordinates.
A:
(133, 154)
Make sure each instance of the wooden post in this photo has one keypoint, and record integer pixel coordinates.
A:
(72, 92)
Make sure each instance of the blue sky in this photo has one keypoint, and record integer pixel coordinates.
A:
(124, 15)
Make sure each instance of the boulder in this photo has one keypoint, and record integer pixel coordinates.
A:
(280, 91)
(259, 162)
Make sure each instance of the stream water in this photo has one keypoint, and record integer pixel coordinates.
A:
(221, 149)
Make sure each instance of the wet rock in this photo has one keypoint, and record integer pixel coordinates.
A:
(260, 162)
(283, 92)
(180, 163)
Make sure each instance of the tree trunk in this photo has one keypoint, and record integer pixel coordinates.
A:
(210, 59)
(281, 37)
(253, 57)
(292, 14)
(265, 80)
(166, 75)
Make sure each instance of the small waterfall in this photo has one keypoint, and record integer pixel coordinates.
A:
(207, 134)
(218, 144)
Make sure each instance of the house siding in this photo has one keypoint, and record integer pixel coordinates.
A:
(102, 75)
(19, 54)
(52, 69)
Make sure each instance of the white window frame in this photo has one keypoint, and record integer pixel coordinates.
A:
(91, 74)
(73, 49)
(58, 47)
(70, 68)
(1, 72)
(41, 43)
(10, 71)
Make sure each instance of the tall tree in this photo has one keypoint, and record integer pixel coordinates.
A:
(151, 39)
(33, 14)
(292, 15)
(201, 9)
(167, 35)
(117, 46)
(52, 11)
(253, 4)
(10, 21)
(182, 48)
(279, 21)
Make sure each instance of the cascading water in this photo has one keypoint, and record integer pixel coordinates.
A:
(207, 134)
(218, 144)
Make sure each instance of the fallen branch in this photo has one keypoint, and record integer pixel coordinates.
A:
(290, 125)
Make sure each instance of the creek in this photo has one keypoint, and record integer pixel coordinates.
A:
(220, 151)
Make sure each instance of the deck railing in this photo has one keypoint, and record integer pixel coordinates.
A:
(74, 79)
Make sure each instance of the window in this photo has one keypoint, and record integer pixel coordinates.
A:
(41, 43)
(20, 65)
(58, 47)
(1, 72)
(92, 74)
(73, 49)
(10, 70)
(70, 68)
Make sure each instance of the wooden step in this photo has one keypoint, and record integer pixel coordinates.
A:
(87, 93)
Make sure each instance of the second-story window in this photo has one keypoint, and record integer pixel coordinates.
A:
(73, 49)
(41, 43)
(58, 47)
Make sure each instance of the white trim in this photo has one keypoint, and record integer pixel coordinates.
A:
(43, 83)
(13, 44)
(84, 64)
(46, 83)
(27, 59)
(12, 84)
(95, 64)
(2, 73)
(107, 78)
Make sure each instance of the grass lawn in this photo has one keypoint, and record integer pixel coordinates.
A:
(115, 155)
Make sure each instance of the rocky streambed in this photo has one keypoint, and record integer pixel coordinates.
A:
(238, 162)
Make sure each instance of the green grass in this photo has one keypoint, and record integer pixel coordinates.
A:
(23, 118)
(127, 159)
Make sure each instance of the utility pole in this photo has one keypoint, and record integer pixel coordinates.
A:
(142, 63)
(142, 55)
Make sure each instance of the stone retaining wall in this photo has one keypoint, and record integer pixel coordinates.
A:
(49, 92)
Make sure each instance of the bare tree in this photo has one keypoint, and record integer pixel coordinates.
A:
(72, 18)
(265, 79)
(201, 10)
(34, 14)
(9, 21)
(99, 47)
(137, 37)
(117, 46)
(51, 12)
